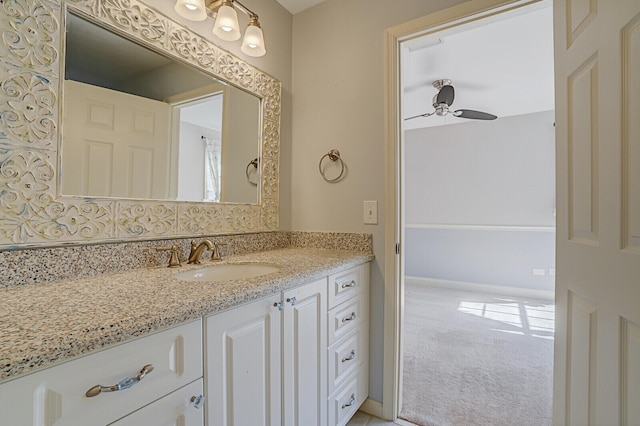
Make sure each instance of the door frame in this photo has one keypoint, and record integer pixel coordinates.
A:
(464, 13)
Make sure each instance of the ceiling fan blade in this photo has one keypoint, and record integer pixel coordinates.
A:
(474, 115)
(445, 95)
(421, 115)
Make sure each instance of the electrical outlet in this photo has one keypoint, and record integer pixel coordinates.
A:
(370, 210)
(538, 271)
(552, 271)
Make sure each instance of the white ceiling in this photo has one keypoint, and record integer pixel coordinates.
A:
(295, 6)
(503, 66)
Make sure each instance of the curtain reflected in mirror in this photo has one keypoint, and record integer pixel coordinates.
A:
(211, 170)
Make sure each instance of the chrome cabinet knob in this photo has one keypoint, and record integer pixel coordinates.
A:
(197, 401)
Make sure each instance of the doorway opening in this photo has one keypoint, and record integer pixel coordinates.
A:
(478, 221)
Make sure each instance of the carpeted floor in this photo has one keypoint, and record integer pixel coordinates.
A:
(476, 359)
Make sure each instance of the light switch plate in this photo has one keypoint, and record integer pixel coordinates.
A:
(370, 210)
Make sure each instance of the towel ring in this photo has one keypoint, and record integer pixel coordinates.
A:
(253, 163)
(334, 155)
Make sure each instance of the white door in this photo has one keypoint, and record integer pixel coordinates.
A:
(242, 365)
(115, 144)
(305, 355)
(597, 353)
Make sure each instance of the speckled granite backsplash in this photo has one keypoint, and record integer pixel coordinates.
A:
(19, 267)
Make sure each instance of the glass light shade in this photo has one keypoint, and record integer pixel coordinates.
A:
(253, 42)
(194, 10)
(226, 26)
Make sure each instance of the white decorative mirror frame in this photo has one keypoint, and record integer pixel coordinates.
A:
(32, 213)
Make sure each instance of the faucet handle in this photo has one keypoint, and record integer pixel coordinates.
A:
(215, 255)
(174, 260)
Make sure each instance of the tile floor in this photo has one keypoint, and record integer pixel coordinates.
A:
(364, 419)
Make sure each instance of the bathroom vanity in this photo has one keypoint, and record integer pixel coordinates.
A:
(145, 346)
(287, 347)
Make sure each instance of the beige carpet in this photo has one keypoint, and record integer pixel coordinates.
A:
(476, 359)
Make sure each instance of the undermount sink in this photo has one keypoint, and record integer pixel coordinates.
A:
(231, 271)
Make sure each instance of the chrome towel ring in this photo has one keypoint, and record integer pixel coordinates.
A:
(253, 163)
(334, 155)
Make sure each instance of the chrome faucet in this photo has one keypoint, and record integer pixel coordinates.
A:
(196, 251)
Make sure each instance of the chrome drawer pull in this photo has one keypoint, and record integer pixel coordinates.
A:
(350, 317)
(351, 401)
(351, 356)
(123, 384)
(197, 401)
(350, 284)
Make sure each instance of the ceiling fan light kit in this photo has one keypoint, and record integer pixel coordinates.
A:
(442, 102)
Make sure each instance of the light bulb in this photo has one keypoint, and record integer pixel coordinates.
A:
(253, 42)
(194, 10)
(226, 26)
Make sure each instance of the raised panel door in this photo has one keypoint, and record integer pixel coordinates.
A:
(243, 365)
(305, 355)
(597, 62)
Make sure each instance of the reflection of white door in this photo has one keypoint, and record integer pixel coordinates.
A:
(597, 359)
(115, 144)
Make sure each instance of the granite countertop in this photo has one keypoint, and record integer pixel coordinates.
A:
(43, 324)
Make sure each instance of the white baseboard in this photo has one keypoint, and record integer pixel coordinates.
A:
(372, 407)
(483, 288)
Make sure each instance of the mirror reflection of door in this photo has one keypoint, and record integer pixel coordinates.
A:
(100, 159)
(112, 147)
(199, 146)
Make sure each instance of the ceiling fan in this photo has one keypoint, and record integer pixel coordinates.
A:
(443, 100)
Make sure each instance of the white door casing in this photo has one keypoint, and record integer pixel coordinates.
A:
(597, 347)
(461, 14)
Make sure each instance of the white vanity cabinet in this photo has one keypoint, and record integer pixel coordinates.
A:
(299, 358)
(265, 362)
(348, 352)
(243, 379)
(58, 395)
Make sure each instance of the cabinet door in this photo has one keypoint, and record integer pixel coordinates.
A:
(243, 365)
(305, 354)
(179, 408)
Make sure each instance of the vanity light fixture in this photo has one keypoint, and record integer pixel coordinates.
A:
(226, 25)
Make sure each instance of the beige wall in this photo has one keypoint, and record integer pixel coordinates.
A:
(330, 61)
(277, 24)
(338, 102)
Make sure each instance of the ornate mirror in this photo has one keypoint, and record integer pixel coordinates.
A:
(43, 198)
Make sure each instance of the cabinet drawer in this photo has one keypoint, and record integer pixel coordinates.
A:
(58, 394)
(346, 356)
(347, 317)
(177, 408)
(348, 398)
(346, 284)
